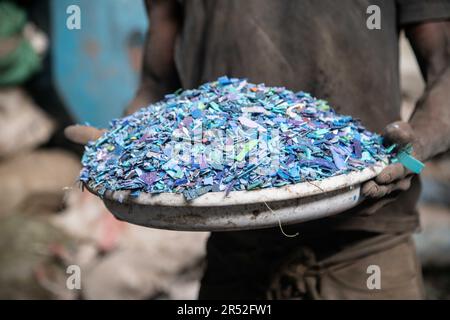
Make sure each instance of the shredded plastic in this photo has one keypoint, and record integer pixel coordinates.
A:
(228, 135)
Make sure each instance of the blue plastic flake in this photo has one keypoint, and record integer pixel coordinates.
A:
(406, 159)
(196, 113)
(228, 135)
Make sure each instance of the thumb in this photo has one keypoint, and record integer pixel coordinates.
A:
(82, 134)
(399, 132)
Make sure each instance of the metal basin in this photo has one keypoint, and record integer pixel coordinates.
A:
(242, 210)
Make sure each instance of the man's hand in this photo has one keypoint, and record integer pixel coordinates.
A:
(82, 134)
(395, 176)
(428, 129)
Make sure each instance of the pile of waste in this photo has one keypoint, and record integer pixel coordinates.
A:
(228, 135)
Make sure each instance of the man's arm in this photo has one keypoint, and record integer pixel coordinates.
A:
(159, 75)
(429, 127)
(431, 118)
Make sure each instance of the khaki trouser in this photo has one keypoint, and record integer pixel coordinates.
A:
(307, 271)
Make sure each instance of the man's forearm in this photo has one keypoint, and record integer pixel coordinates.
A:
(431, 118)
(159, 75)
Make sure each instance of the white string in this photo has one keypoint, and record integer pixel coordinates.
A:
(279, 223)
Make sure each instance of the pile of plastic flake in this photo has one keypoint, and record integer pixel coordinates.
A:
(228, 135)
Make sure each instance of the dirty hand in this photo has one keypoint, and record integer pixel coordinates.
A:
(83, 134)
(395, 176)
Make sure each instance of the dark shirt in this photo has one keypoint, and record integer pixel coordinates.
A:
(320, 46)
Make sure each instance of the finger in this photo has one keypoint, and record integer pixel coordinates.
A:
(82, 134)
(399, 132)
(391, 173)
(373, 190)
(403, 184)
(383, 190)
(370, 189)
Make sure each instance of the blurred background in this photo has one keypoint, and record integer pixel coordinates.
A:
(51, 77)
